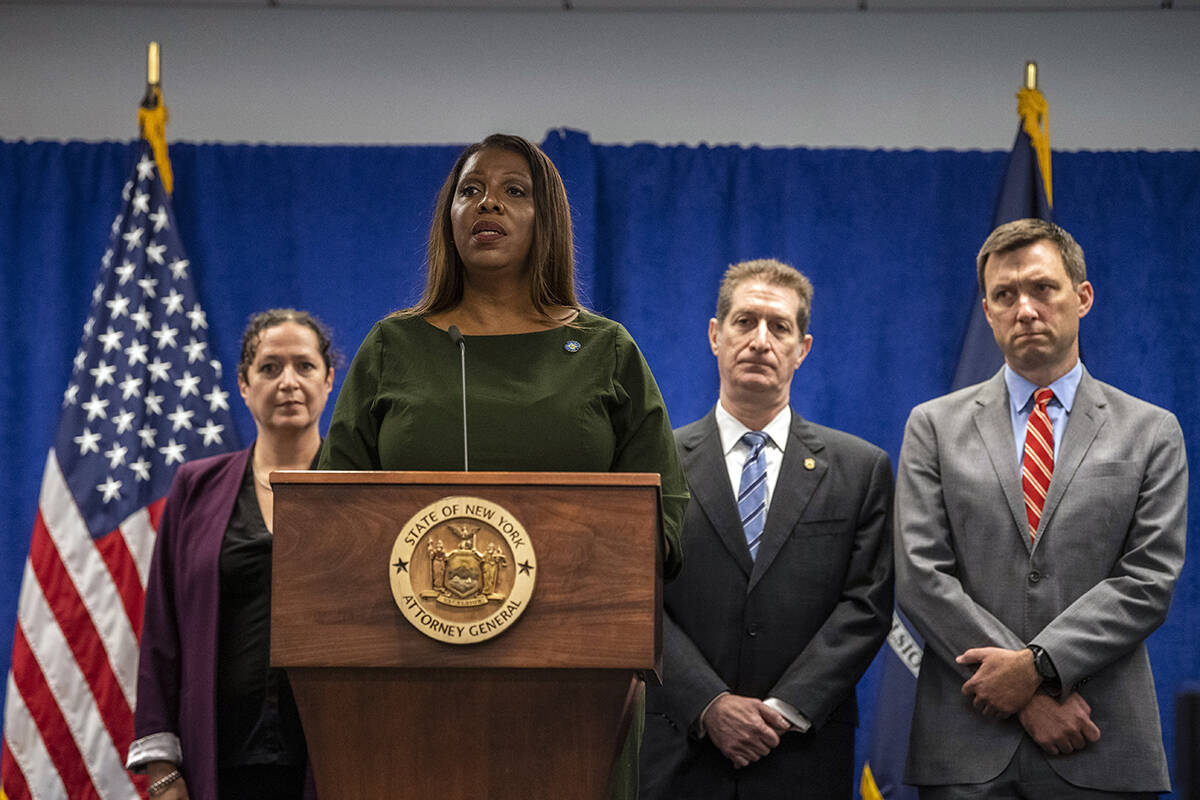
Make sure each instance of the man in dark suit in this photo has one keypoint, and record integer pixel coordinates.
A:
(786, 591)
(1040, 518)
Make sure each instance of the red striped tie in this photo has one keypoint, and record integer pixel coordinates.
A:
(1039, 459)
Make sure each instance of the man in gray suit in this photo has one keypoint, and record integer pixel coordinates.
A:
(786, 591)
(1039, 537)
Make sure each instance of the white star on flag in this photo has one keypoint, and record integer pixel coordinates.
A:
(145, 169)
(130, 385)
(71, 395)
(216, 399)
(181, 418)
(111, 489)
(154, 252)
(133, 238)
(173, 452)
(103, 373)
(111, 339)
(173, 303)
(141, 203)
(125, 272)
(123, 421)
(116, 455)
(148, 285)
(165, 336)
(141, 317)
(88, 442)
(194, 350)
(178, 268)
(188, 384)
(159, 370)
(154, 403)
(211, 432)
(146, 434)
(141, 467)
(198, 317)
(95, 408)
(159, 218)
(136, 353)
(118, 306)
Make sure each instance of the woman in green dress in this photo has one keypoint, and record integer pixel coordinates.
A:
(551, 385)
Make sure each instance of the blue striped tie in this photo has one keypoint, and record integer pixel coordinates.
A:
(752, 493)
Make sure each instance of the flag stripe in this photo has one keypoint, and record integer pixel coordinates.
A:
(14, 787)
(67, 626)
(139, 532)
(21, 727)
(49, 726)
(84, 712)
(94, 584)
(116, 556)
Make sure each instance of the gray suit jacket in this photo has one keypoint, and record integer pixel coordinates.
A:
(1095, 584)
(801, 622)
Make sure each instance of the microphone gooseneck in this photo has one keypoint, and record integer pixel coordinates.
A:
(457, 337)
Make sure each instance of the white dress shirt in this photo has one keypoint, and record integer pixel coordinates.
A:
(731, 431)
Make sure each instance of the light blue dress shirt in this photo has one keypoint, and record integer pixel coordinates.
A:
(1020, 405)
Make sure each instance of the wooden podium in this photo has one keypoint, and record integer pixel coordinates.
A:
(539, 711)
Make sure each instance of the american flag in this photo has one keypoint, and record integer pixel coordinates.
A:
(145, 394)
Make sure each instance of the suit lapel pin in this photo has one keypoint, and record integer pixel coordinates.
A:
(810, 463)
(572, 346)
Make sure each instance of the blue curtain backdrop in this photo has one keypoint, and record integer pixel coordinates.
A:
(888, 238)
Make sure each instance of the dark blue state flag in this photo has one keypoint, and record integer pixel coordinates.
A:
(1024, 192)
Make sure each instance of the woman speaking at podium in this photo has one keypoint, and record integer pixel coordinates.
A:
(550, 386)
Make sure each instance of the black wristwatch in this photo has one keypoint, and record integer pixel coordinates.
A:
(1045, 670)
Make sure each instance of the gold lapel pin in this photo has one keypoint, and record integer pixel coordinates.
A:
(810, 463)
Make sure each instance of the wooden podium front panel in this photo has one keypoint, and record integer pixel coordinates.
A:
(594, 606)
(456, 734)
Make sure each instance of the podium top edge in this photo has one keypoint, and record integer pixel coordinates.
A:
(466, 478)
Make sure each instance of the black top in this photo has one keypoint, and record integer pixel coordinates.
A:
(257, 720)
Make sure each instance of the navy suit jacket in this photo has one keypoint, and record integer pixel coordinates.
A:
(800, 623)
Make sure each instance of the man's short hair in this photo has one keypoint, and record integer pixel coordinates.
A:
(1024, 232)
(773, 273)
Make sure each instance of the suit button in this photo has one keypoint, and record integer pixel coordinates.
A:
(752, 629)
(1035, 576)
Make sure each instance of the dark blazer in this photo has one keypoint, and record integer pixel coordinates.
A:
(1095, 583)
(178, 665)
(801, 623)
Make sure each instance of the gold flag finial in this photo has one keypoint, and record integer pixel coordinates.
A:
(1034, 112)
(153, 117)
(152, 64)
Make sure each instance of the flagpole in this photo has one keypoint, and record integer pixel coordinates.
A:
(153, 116)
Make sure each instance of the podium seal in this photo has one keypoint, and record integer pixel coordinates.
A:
(462, 570)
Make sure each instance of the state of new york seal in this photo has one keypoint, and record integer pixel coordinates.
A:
(462, 570)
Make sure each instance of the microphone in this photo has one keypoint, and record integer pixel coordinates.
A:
(457, 337)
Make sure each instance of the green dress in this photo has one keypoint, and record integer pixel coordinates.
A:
(577, 398)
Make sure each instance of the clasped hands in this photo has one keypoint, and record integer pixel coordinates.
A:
(1006, 683)
(744, 729)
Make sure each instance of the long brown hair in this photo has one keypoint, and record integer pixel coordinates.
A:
(551, 256)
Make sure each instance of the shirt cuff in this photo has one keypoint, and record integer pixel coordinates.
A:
(155, 747)
(698, 727)
(800, 723)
